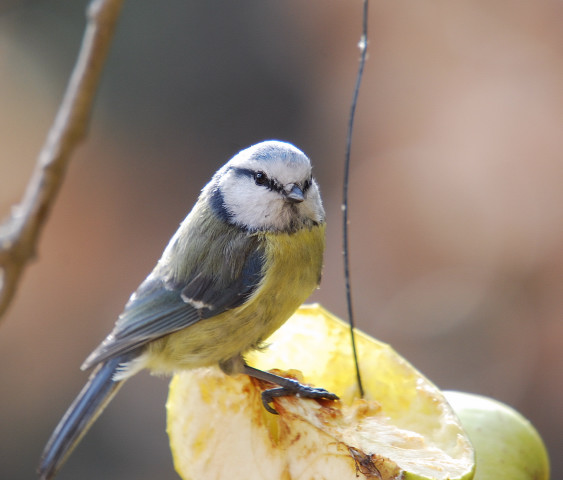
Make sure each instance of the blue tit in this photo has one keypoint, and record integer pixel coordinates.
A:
(246, 256)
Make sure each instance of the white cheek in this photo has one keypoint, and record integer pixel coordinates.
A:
(253, 206)
(312, 207)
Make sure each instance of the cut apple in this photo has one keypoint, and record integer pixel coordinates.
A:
(403, 428)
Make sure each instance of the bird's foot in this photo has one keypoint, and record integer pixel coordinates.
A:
(294, 388)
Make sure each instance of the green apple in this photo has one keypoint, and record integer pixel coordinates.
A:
(507, 446)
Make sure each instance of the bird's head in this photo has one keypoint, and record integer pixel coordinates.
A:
(268, 186)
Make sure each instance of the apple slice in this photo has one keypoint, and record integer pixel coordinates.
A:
(403, 428)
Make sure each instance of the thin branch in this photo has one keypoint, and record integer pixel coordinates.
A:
(363, 53)
(19, 234)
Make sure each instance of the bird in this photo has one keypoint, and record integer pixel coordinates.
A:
(248, 254)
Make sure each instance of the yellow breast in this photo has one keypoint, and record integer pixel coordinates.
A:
(292, 269)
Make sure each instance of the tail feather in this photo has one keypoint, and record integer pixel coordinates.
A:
(81, 414)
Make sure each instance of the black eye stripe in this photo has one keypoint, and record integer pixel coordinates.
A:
(269, 183)
(259, 177)
(242, 172)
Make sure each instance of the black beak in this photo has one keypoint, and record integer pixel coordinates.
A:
(295, 195)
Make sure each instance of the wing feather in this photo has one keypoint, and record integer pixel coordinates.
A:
(163, 304)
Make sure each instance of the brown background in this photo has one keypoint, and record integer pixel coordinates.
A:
(456, 196)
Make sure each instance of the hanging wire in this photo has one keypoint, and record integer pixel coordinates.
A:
(363, 44)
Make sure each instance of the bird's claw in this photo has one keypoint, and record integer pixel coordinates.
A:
(297, 389)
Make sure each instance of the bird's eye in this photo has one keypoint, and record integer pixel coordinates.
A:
(261, 178)
(306, 185)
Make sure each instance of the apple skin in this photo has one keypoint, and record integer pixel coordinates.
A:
(507, 446)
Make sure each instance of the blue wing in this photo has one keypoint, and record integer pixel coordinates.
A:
(160, 306)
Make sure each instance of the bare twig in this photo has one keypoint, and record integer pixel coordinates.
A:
(19, 234)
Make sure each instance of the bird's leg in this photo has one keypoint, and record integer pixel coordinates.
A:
(287, 386)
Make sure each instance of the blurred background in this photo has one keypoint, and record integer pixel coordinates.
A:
(456, 204)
